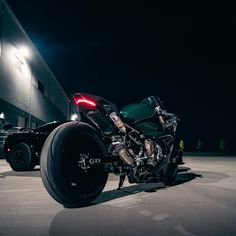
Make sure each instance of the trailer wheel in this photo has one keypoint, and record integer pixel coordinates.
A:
(21, 158)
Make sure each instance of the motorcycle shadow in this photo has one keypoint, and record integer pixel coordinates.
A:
(185, 177)
(182, 177)
(183, 169)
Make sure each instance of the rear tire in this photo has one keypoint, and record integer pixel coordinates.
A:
(64, 180)
(21, 158)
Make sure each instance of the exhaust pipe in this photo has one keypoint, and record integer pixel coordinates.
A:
(126, 157)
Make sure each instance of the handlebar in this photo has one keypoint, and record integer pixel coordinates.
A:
(164, 112)
(166, 119)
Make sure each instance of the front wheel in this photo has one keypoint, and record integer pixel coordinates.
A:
(171, 174)
(65, 178)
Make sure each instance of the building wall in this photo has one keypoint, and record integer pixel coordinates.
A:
(27, 86)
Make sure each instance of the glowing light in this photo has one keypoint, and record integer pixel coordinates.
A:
(2, 116)
(24, 51)
(8, 149)
(86, 101)
(74, 117)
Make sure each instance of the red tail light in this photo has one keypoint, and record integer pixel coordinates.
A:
(82, 100)
(88, 102)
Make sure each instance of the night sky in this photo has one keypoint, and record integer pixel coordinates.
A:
(126, 51)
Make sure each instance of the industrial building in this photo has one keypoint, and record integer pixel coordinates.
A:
(30, 95)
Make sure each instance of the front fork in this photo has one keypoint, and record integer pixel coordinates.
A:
(177, 156)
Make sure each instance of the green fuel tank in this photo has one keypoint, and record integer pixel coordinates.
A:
(140, 114)
(136, 112)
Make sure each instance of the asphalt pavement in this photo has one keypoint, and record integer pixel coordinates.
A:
(202, 202)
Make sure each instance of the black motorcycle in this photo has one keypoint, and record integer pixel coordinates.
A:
(137, 142)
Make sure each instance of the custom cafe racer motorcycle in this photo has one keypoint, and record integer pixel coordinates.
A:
(137, 142)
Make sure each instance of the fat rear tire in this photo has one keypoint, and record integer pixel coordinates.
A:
(64, 180)
(21, 158)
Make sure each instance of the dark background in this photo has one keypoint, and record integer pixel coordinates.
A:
(126, 51)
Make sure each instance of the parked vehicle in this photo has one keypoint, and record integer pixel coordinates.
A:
(3, 136)
(137, 142)
(4, 132)
(22, 148)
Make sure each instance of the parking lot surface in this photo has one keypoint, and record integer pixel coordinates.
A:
(202, 202)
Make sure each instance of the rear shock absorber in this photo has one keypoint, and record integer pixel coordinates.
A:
(118, 122)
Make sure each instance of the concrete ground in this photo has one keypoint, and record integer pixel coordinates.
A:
(203, 202)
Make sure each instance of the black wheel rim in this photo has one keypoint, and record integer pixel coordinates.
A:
(82, 181)
(19, 157)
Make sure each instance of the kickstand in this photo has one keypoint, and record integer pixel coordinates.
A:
(121, 182)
